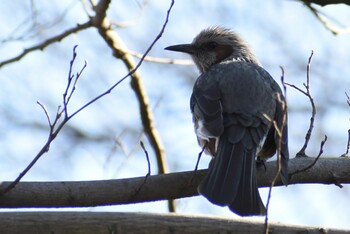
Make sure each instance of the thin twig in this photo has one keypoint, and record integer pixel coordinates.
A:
(346, 154)
(279, 132)
(348, 144)
(147, 175)
(314, 162)
(70, 78)
(73, 88)
(46, 112)
(160, 34)
(161, 60)
(120, 51)
(147, 158)
(53, 130)
(307, 93)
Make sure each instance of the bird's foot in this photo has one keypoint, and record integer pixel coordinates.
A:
(260, 162)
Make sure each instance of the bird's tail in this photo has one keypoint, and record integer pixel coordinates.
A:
(231, 180)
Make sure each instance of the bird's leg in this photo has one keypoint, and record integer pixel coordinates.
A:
(197, 163)
(261, 162)
(199, 157)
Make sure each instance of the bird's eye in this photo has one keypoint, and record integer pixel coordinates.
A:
(212, 45)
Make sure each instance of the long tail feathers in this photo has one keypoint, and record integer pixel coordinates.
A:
(231, 180)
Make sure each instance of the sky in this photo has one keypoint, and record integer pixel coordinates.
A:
(102, 142)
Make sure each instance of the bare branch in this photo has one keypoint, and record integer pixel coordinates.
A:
(52, 125)
(314, 162)
(129, 23)
(326, 2)
(336, 31)
(120, 51)
(307, 93)
(348, 144)
(46, 113)
(279, 131)
(147, 158)
(346, 154)
(158, 187)
(139, 222)
(161, 60)
(67, 96)
(47, 42)
(30, 27)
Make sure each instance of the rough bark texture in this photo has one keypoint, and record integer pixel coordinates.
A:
(158, 187)
(108, 222)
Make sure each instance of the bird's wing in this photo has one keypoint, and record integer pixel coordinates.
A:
(277, 140)
(207, 112)
(244, 98)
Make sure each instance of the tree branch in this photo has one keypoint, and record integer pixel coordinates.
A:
(136, 223)
(161, 60)
(47, 42)
(158, 187)
(120, 51)
(335, 30)
(307, 93)
(326, 2)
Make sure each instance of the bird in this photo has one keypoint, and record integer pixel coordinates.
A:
(239, 115)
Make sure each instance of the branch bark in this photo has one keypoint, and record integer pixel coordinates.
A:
(120, 51)
(327, 2)
(158, 187)
(48, 42)
(115, 222)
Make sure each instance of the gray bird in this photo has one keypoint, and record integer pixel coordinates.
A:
(233, 104)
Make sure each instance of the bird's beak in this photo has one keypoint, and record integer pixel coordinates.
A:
(185, 48)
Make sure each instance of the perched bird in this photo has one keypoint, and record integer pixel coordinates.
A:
(236, 107)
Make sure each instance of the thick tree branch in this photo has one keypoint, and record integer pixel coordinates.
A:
(159, 187)
(326, 2)
(120, 51)
(145, 223)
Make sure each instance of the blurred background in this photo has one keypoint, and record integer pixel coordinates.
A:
(102, 141)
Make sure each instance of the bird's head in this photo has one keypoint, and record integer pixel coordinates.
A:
(214, 45)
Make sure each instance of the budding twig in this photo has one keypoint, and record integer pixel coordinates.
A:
(53, 132)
